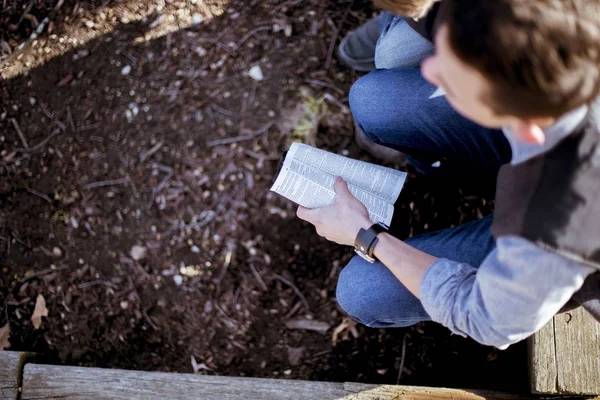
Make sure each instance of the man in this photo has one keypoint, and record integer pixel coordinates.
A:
(531, 69)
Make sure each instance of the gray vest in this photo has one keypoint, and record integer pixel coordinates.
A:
(553, 200)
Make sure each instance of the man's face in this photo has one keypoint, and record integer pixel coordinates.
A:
(464, 86)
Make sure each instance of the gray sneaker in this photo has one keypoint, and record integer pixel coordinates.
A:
(377, 150)
(357, 49)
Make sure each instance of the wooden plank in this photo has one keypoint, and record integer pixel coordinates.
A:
(11, 366)
(542, 360)
(48, 381)
(565, 355)
(577, 338)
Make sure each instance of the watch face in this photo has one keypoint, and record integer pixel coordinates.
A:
(365, 256)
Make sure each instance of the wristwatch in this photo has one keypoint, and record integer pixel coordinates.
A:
(365, 242)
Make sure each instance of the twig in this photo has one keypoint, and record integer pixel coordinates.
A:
(211, 117)
(20, 241)
(144, 155)
(88, 127)
(334, 38)
(40, 195)
(70, 119)
(51, 116)
(95, 283)
(113, 182)
(161, 185)
(252, 32)
(133, 188)
(43, 272)
(15, 124)
(336, 32)
(224, 111)
(264, 128)
(402, 358)
(252, 93)
(219, 44)
(325, 84)
(144, 312)
(258, 277)
(295, 289)
(235, 139)
(40, 144)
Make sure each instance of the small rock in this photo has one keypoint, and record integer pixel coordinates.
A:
(197, 19)
(201, 51)
(124, 304)
(126, 70)
(138, 252)
(178, 279)
(57, 252)
(287, 372)
(256, 73)
(195, 249)
(32, 101)
(89, 24)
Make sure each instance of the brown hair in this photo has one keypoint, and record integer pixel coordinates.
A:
(542, 56)
(408, 8)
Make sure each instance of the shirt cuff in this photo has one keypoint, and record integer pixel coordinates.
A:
(438, 290)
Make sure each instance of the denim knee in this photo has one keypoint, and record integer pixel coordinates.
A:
(366, 92)
(370, 294)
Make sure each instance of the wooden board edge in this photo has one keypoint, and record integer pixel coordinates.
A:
(18, 365)
(542, 346)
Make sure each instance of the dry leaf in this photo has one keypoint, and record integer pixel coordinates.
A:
(344, 328)
(4, 336)
(39, 311)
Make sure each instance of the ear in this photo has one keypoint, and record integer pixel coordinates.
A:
(529, 131)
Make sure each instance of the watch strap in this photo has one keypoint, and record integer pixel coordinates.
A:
(367, 239)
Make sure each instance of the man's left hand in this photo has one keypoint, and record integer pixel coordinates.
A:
(341, 221)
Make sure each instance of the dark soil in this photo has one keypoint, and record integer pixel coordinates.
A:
(113, 160)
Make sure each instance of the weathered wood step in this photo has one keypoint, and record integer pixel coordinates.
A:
(47, 381)
(565, 355)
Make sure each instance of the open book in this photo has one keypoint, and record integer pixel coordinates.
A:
(307, 176)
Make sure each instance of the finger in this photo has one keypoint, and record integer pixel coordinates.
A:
(306, 214)
(341, 187)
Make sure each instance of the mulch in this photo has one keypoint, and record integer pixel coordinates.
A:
(134, 194)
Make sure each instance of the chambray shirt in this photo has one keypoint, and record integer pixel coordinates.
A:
(519, 286)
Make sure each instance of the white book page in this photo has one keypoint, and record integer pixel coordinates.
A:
(308, 174)
(385, 183)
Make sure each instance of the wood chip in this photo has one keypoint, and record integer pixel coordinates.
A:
(308, 324)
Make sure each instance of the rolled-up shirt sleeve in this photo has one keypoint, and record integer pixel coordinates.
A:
(516, 290)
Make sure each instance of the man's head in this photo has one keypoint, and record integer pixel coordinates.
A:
(521, 63)
(407, 8)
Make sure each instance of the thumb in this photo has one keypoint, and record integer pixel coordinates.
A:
(341, 187)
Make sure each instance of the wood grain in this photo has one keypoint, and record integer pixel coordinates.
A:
(11, 364)
(565, 355)
(46, 381)
(542, 360)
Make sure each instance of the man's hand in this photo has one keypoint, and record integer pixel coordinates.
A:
(341, 221)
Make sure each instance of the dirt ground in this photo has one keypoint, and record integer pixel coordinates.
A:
(136, 154)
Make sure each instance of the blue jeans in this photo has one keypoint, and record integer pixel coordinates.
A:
(371, 294)
(399, 45)
(397, 108)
